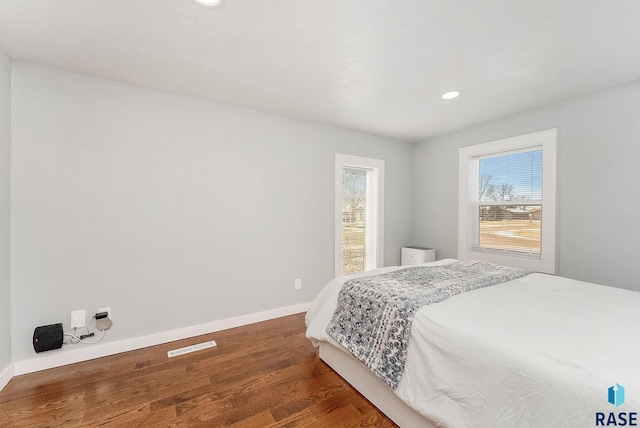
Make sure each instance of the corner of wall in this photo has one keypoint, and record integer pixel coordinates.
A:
(6, 373)
(6, 376)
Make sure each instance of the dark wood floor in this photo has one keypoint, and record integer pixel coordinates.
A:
(262, 375)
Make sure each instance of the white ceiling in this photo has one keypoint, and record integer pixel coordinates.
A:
(369, 65)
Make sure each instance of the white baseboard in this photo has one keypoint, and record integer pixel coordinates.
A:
(57, 358)
(6, 376)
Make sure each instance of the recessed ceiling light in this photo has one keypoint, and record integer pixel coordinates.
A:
(450, 95)
(209, 3)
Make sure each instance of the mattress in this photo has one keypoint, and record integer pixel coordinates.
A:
(537, 351)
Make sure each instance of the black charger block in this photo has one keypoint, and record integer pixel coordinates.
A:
(48, 337)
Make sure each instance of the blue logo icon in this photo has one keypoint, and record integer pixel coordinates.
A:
(616, 395)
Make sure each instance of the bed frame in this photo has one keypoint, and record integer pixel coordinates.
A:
(379, 394)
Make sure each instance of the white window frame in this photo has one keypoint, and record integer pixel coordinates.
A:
(375, 206)
(468, 201)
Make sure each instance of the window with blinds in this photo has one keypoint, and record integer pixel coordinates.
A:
(506, 201)
(510, 202)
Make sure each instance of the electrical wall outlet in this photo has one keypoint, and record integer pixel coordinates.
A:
(298, 284)
(107, 310)
(78, 319)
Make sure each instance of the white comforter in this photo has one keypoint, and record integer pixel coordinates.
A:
(538, 351)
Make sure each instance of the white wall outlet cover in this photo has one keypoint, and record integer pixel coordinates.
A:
(78, 319)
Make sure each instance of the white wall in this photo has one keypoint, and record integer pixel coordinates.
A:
(5, 171)
(172, 210)
(598, 223)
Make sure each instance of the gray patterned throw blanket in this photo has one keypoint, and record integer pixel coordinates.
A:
(374, 313)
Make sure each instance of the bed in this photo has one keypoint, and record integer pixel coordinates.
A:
(536, 351)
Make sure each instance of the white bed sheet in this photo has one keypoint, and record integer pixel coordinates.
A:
(538, 351)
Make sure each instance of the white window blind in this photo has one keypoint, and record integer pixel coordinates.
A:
(510, 202)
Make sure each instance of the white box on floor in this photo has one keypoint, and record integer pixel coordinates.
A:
(417, 255)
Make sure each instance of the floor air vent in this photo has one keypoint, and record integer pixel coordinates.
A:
(192, 348)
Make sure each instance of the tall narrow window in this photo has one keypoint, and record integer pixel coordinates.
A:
(507, 201)
(354, 220)
(359, 214)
